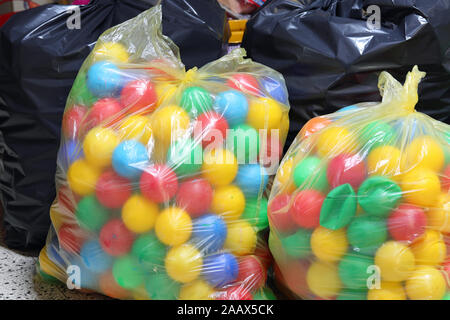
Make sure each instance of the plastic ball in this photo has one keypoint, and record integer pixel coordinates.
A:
(426, 283)
(185, 157)
(196, 100)
(305, 209)
(255, 213)
(252, 179)
(173, 226)
(159, 183)
(196, 290)
(228, 202)
(115, 238)
(233, 106)
(244, 82)
(71, 238)
(353, 270)
(294, 276)
(384, 161)
(139, 214)
(110, 51)
(220, 269)
(430, 248)
(252, 273)
(165, 92)
(346, 168)
(149, 251)
(136, 127)
(90, 214)
(367, 233)
(98, 146)
(264, 294)
(407, 222)
(241, 238)
(348, 108)
(421, 186)
(129, 159)
(264, 113)
(275, 89)
(314, 125)
(235, 293)
(112, 190)
(387, 291)
(160, 286)
(438, 217)
(109, 287)
(72, 121)
(279, 215)
(310, 173)
(323, 279)
(127, 272)
(395, 260)
(94, 257)
(297, 245)
(283, 178)
(105, 112)
(184, 263)
(335, 140)
(104, 79)
(82, 177)
(80, 92)
(211, 129)
(424, 152)
(68, 153)
(209, 233)
(329, 245)
(244, 141)
(376, 134)
(138, 97)
(220, 167)
(169, 123)
(195, 196)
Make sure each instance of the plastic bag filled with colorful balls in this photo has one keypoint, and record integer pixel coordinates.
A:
(360, 205)
(162, 174)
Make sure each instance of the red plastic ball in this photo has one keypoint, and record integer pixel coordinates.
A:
(115, 238)
(279, 215)
(263, 253)
(159, 183)
(139, 96)
(252, 273)
(244, 82)
(447, 271)
(211, 127)
(445, 179)
(271, 152)
(294, 275)
(106, 112)
(71, 238)
(346, 168)
(235, 293)
(72, 120)
(305, 210)
(67, 199)
(112, 190)
(314, 125)
(407, 222)
(195, 196)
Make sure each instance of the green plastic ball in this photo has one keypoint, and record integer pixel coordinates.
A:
(353, 270)
(297, 245)
(128, 273)
(366, 233)
(446, 296)
(80, 92)
(244, 141)
(375, 134)
(91, 214)
(149, 251)
(339, 207)
(255, 213)
(185, 157)
(311, 173)
(264, 294)
(196, 100)
(348, 294)
(160, 286)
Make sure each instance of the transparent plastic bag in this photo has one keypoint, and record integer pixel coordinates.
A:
(162, 173)
(360, 205)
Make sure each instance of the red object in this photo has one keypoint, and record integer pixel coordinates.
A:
(112, 190)
(244, 82)
(305, 210)
(235, 293)
(115, 238)
(445, 179)
(195, 196)
(278, 211)
(72, 120)
(159, 183)
(271, 152)
(252, 273)
(67, 199)
(111, 288)
(211, 127)
(71, 238)
(139, 97)
(314, 125)
(447, 271)
(5, 17)
(263, 253)
(407, 222)
(346, 168)
(294, 275)
(106, 111)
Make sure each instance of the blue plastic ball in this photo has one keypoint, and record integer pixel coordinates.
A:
(104, 79)
(94, 258)
(275, 89)
(129, 159)
(80, 275)
(252, 179)
(233, 106)
(70, 151)
(209, 233)
(220, 269)
(348, 108)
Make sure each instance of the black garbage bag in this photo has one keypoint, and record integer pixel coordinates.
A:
(41, 51)
(331, 52)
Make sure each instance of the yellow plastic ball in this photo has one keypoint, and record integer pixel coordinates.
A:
(49, 267)
(57, 217)
(334, 141)
(184, 263)
(387, 291)
(438, 217)
(424, 151)
(111, 51)
(99, 145)
(426, 283)
(329, 245)
(140, 294)
(82, 177)
(219, 167)
(283, 179)
(430, 248)
(421, 187)
(264, 113)
(241, 238)
(165, 93)
(136, 128)
(173, 226)
(384, 161)
(395, 260)
(228, 202)
(139, 214)
(197, 290)
(169, 124)
(284, 129)
(323, 279)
